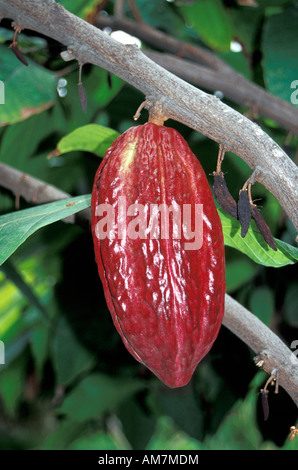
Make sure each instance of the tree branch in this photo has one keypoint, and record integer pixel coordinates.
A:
(37, 191)
(240, 91)
(181, 101)
(273, 352)
(203, 68)
(159, 39)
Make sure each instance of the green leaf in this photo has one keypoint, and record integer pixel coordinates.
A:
(96, 441)
(12, 274)
(23, 39)
(12, 381)
(102, 90)
(6, 35)
(280, 60)
(39, 342)
(64, 433)
(82, 8)
(211, 22)
(138, 420)
(169, 437)
(262, 304)
(20, 309)
(238, 273)
(21, 140)
(185, 413)
(291, 305)
(239, 429)
(246, 23)
(28, 90)
(90, 138)
(99, 393)
(159, 15)
(11, 305)
(70, 358)
(254, 246)
(17, 226)
(237, 61)
(292, 251)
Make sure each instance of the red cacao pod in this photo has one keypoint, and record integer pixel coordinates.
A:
(166, 298)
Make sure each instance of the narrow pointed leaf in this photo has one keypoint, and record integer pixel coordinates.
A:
(90, 138)
(17, 226)
(254, 246)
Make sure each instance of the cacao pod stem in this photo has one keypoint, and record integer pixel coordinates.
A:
(155, 108)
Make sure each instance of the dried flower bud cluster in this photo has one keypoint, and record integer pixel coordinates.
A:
(242, 210)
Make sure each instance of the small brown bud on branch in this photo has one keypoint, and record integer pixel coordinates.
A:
(244, 212)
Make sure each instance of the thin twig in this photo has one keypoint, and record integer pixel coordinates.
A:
(220, 157)
(135, 11)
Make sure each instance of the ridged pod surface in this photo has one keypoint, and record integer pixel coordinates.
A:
(166, 300)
